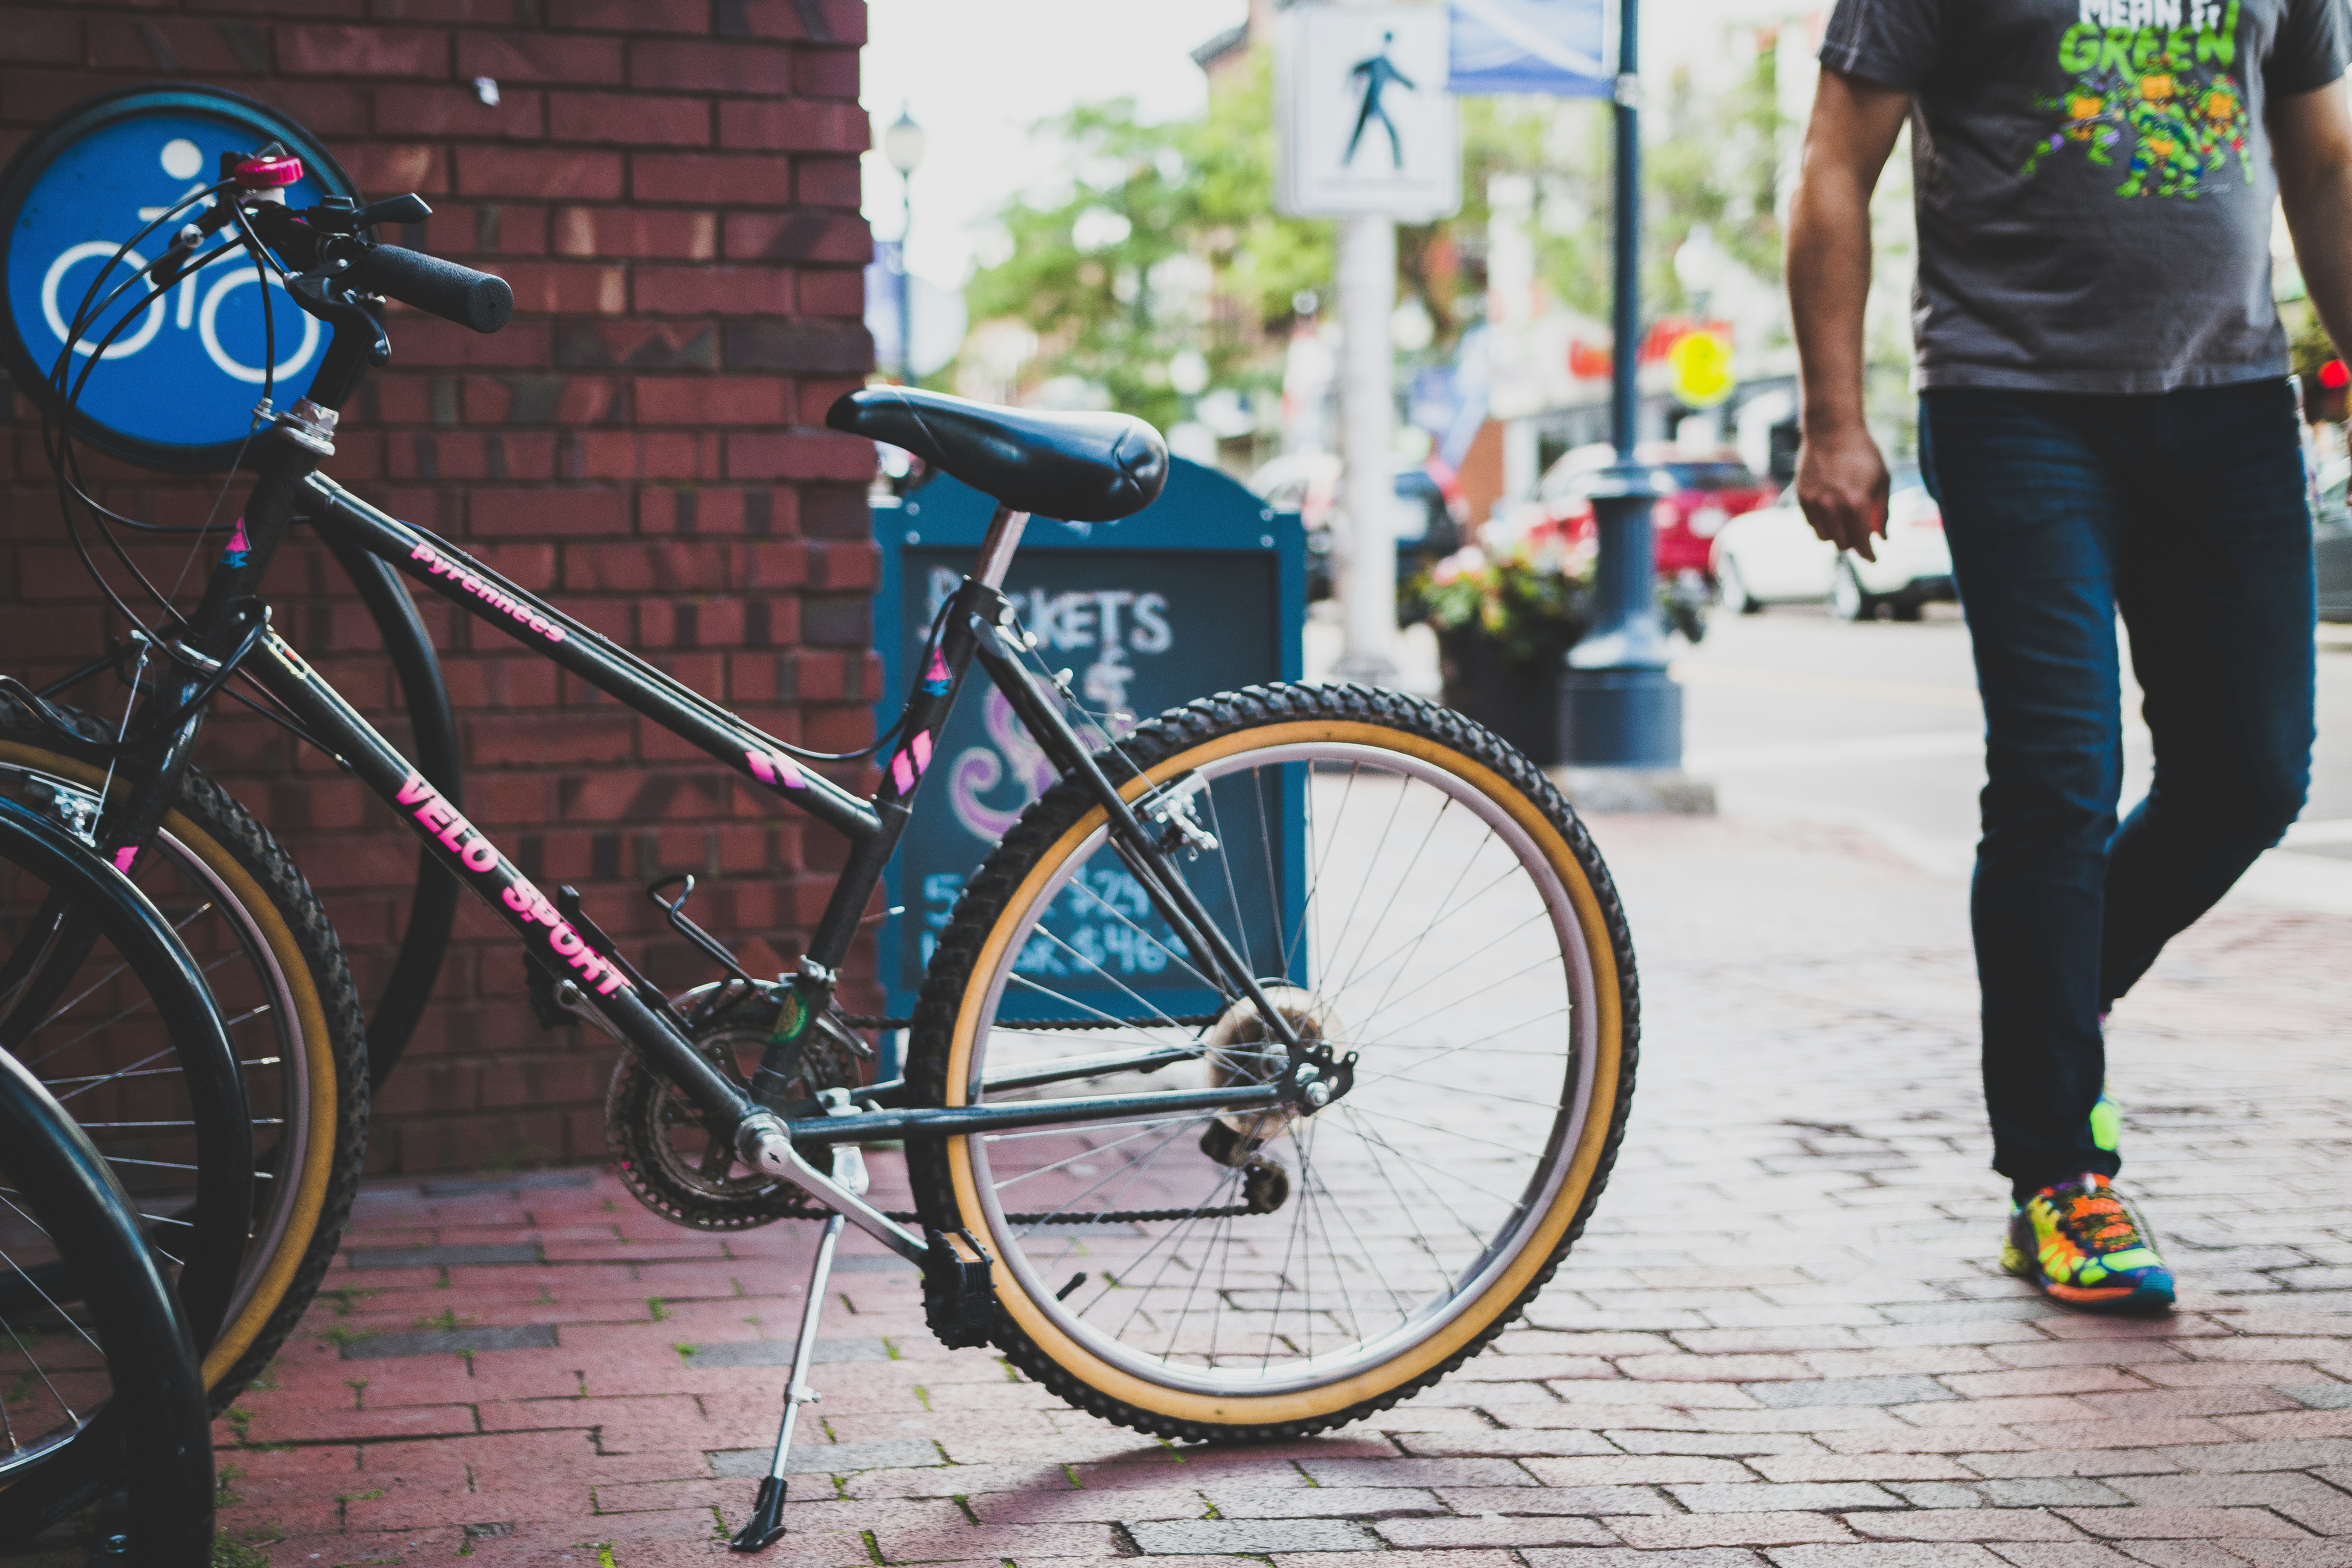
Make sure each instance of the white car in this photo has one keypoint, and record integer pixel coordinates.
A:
(1771, 556)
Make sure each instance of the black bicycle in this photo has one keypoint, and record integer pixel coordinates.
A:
(1379, 1112)
(98, 1381)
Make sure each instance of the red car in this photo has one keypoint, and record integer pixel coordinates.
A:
(1709, 490)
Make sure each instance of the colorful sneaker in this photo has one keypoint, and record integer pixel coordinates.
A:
(2078, 1243)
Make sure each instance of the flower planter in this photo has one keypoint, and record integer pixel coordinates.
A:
(1516, 697)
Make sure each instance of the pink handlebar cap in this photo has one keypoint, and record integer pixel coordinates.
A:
(268, 174)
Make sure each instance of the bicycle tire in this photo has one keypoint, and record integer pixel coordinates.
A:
(71, 1239)
(998, 932)
(317, 1079)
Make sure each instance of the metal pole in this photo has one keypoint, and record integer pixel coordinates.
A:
(1367, 287)
(906, 284)
(1619, 708)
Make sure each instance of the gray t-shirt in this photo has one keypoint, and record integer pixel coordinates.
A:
(2094, 181)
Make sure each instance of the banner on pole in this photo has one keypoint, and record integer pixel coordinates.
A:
(1366, 124)
(1552, 46)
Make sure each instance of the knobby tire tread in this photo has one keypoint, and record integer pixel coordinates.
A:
(218, 815)
(984, 902)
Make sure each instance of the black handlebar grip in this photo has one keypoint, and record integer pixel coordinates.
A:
(444, 289)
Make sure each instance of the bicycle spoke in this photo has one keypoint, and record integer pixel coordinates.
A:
(1426, 942)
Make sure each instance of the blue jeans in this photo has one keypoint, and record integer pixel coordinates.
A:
(2187, 511)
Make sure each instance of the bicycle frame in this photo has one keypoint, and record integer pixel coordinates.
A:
(567, 945)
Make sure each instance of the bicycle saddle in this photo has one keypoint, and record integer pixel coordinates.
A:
(1079, 468)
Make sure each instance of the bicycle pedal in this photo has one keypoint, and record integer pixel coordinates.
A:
(958, 1292)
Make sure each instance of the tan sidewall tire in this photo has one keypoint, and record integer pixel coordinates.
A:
(249, 1338)
(1190, 1413)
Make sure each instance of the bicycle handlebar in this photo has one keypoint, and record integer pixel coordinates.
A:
(477, 300)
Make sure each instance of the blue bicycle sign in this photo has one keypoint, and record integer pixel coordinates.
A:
(216, 337)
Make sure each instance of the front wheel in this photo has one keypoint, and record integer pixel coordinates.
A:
(1407, 887)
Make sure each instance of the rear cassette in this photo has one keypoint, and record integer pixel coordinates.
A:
(674, 1164)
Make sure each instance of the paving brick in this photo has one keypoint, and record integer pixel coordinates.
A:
(1422, 1472)
(1765, 1496)
(1964, 1525)
(1731, 1529)
(1494, 1529)
(1252, 1535)
(1821, 1467)
(1878, 1391)
(1885, 1554)
(2182, 1523)
(1634, 1470)
(451, 1342)
(1233, 1500)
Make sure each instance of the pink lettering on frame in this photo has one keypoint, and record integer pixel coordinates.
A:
(775, 768)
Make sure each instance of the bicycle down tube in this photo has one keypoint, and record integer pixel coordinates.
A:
(555, 940)
(873, 829)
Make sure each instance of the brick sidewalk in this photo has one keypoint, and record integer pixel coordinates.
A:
(1784, 1341)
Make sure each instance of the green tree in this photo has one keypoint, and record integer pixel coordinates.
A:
(1167, 240)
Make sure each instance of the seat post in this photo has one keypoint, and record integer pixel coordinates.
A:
(996, 550)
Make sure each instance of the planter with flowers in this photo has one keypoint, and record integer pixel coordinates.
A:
(1506, 613)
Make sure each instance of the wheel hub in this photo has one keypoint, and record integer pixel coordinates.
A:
(1241, 1049)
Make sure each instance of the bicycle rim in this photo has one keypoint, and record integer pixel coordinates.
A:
(1444, 933)
(107, 1074)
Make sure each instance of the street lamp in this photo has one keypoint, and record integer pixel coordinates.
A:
(902, 144)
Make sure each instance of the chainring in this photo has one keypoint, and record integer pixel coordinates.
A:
(674, 1165)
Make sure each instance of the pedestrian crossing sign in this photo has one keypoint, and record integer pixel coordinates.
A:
(1365, 123)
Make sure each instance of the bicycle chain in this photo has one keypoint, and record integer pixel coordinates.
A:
(1201, 1021)
(1115, 1216)
(1265, 1183)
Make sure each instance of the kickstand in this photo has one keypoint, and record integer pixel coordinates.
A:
(766, 1525)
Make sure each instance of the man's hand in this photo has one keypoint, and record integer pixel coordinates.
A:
(1841, 477)
(1841, 486)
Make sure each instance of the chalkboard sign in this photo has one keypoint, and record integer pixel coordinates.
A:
(1201, 592)
(175, 389)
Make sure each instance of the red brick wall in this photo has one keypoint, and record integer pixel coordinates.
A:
(672, 188)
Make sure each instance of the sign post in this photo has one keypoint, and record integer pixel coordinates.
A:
(1621, 712)
(1368, 136)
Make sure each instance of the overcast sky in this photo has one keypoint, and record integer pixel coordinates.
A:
(979, 75)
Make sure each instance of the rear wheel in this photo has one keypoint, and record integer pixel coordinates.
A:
(1406, 887)
(1849, 601)
(283, 988)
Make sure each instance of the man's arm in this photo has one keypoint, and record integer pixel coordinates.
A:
(1841, 477)
(2310, 142)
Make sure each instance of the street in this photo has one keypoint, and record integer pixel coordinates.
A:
(1877, 724)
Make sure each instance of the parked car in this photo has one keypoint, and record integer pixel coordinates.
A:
(2331, 541)
(1771, 556)
(1309, 484)
(1707, 491)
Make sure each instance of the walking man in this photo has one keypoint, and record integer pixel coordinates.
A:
(2104, 416)
(1376, 73)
